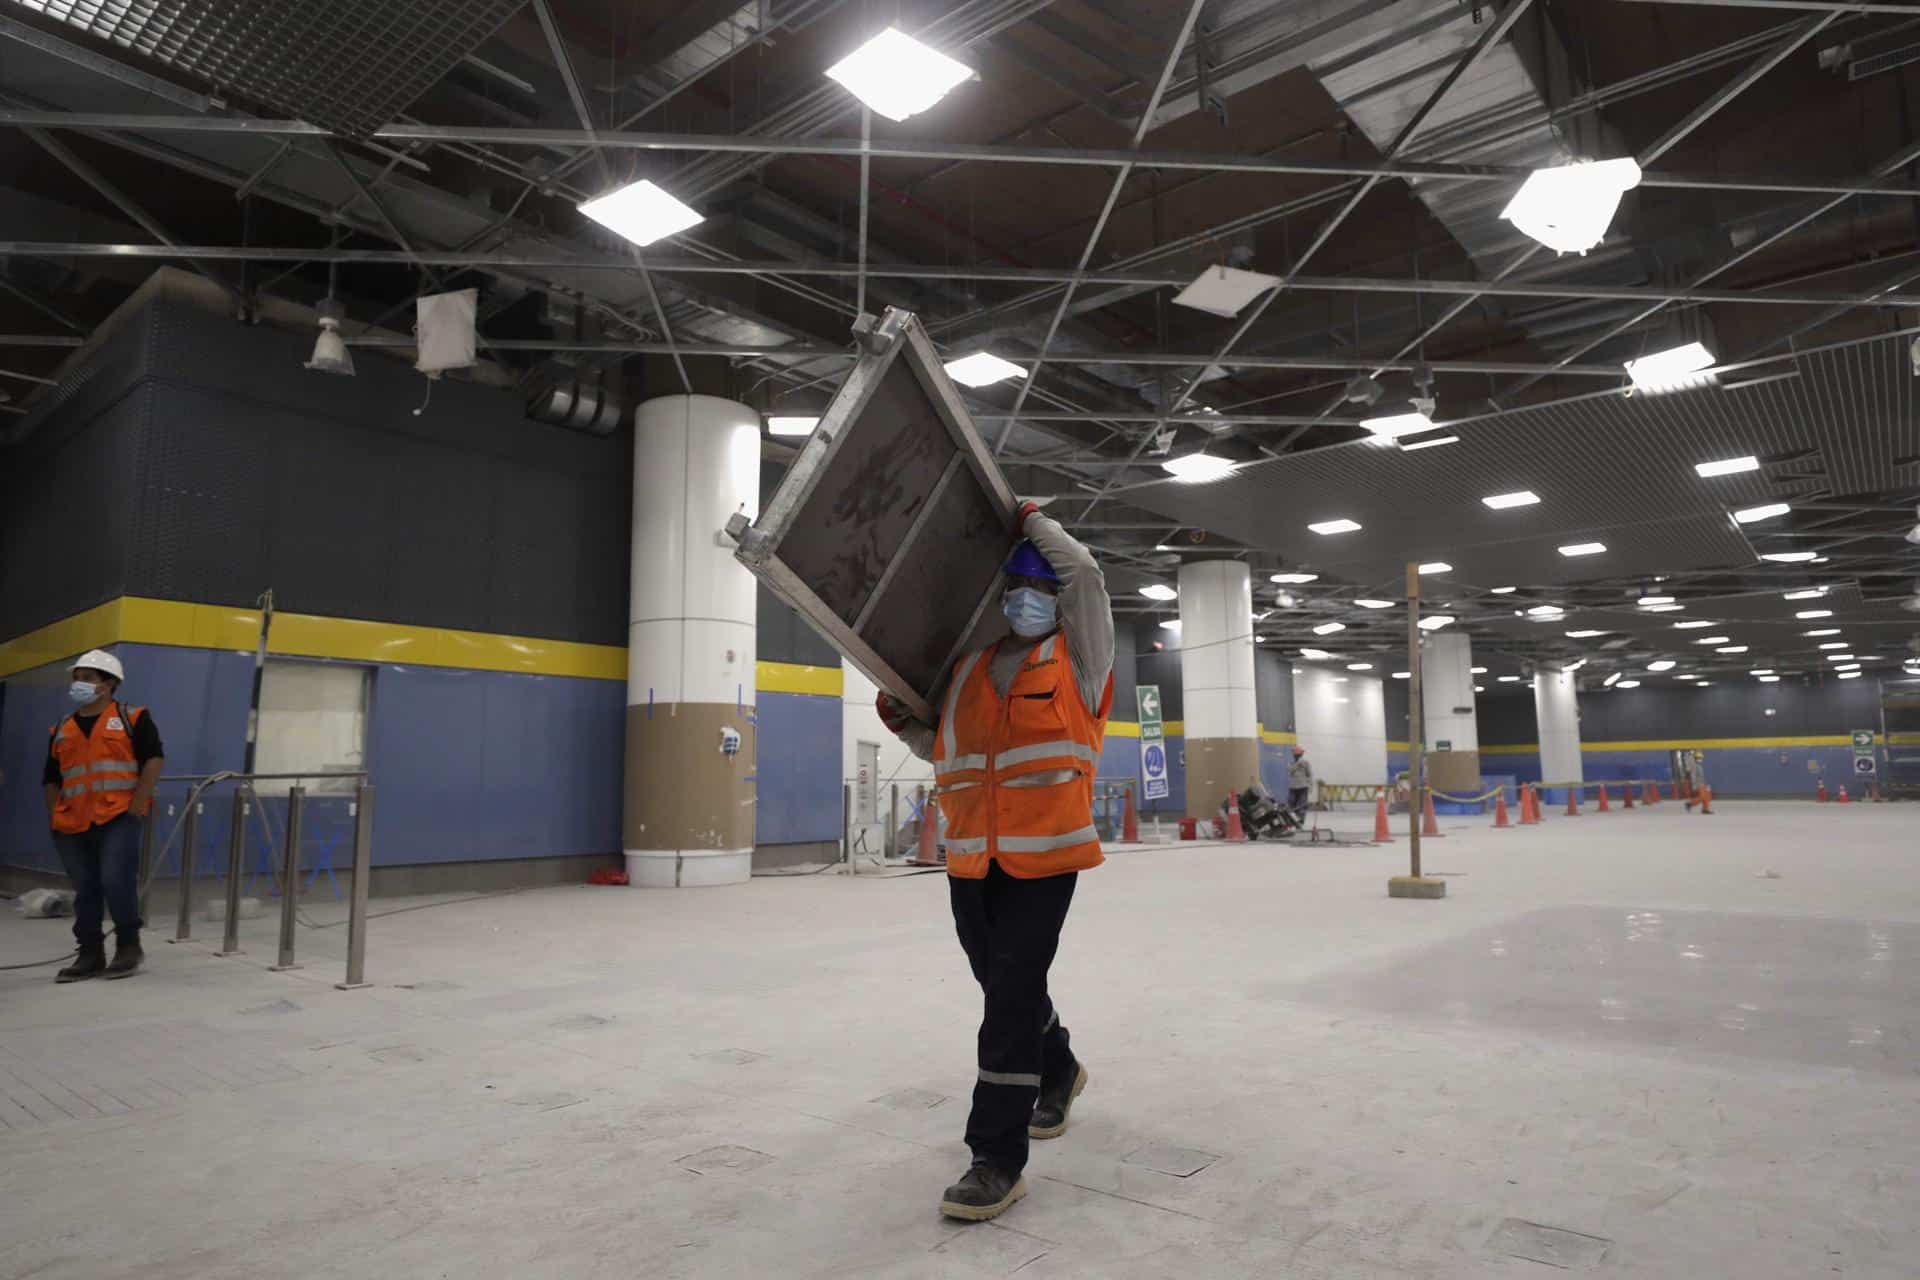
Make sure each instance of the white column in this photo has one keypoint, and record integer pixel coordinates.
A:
(1447, 686)
(1216, 681)
(689, 814)
(1558, 712)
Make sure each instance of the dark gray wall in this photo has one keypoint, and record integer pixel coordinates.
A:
(1734, 708)
(248, 471)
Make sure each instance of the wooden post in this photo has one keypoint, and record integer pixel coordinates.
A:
(1413, 884)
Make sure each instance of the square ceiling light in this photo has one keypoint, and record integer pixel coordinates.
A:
(1159, 591)
(1662, 608)
(1694, 625)
(1198, 468)
(641, 212)
(1687, 365)
(1436, 566)
(897, 76)
(1568, 208)
(1518, 498)
(1315, 655)
(1342, 525)
(1223, 291)
(1732, 648)
(1328, 628)
(1806, 614)
(1374, 604)
(1391, 426)
(1585, 633)
(1790, 557)
(1713, 640)
(1665, 664)
(1849, 675)
(1583, 549)
(1832, 644)
(1419, 440)
(1726, 467)
(1822, 631)
(983, 369)
(1435, 621)
(1628, 684)
(1767, 511)
(1294, 579)
(1811, 593)
(791, 425)
(1503, 591)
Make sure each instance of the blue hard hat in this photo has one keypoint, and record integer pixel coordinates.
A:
(1027, 562)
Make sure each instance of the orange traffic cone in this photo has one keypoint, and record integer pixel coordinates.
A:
(1130, 822)
(1704, 794)
(927, 853)
(1604, 806)
(1573, 800)
(1626, 794)
(1529, 806)
(1842, 797)
(1234, 830)
(1820, 792)
(1381, 831)
(1676, 790)
(1429, 825)
(1500, 808)
(1648, 795)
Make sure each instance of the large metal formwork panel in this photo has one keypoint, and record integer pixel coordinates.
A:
(888, 532)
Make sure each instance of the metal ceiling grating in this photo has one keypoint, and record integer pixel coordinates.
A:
(346, 65)
(1615, 469)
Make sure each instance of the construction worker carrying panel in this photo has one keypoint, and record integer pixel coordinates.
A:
(1014, 757)
(103, 763)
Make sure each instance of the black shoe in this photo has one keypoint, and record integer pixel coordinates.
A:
(1050, 1113)
(90, 963)
(126, 958)
(985, 1193)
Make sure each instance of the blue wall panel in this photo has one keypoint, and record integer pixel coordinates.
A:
(797, 772)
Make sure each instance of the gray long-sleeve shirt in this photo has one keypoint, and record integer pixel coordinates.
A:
(1299, 773)
(1085, 613)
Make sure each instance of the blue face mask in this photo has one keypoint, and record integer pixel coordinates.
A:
(1030, 612)
(83, 692)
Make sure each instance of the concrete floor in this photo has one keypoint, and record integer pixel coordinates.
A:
(1618, 1047)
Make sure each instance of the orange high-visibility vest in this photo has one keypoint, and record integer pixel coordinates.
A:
(1015, 774)
(97, 773)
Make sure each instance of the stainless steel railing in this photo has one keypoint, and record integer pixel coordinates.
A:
(245, 801)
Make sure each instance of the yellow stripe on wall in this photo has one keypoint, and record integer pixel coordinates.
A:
(1123, 728)
(138, 620)
(794, 677)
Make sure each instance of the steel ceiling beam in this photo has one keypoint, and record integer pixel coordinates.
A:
(1494, 33)
(1837, 7)
(1884, 297)
(1893, 164)
(1100, 224)
(915, 149)
(798, 351)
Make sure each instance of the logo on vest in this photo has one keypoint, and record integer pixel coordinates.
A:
(113, 722)
(1035, 666)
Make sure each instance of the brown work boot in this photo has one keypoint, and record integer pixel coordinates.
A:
(985, 1193)
(90, 963)
(127, 956)
(1050, 1112)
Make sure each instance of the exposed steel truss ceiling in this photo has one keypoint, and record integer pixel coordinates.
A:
(1360, 150)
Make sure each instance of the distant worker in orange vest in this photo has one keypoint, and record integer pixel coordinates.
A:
(1014, 758)
(103, 763)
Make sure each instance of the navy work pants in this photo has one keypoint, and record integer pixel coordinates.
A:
(1011, 929)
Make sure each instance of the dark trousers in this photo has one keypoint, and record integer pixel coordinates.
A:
(1297, 798)
(104, 865)
(1010, 929)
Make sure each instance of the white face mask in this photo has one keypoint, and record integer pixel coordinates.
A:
(83, 692)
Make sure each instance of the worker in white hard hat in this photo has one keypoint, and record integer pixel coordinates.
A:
(103, 763)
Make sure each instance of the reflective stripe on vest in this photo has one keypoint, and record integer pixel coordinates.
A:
(99, 772)
(1016, 766)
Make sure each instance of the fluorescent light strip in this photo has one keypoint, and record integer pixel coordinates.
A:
(1518, 498)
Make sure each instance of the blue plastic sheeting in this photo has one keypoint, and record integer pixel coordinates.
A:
(797, 773)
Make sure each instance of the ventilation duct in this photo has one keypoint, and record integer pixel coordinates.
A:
(594, 407)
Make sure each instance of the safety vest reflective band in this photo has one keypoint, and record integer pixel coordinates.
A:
(1016, 773)
(98, 772)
